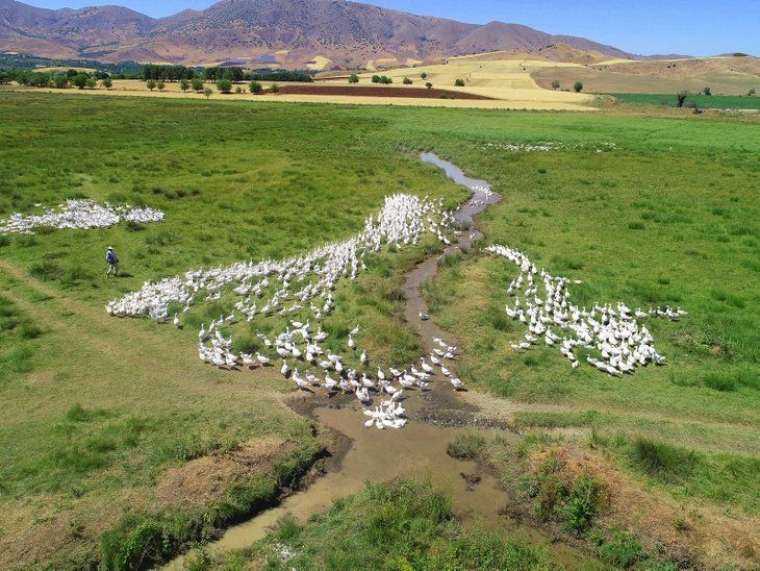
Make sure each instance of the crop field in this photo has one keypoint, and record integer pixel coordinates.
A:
(120, 448)
(702, 101)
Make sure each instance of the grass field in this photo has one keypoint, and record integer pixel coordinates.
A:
(99, 411)
(702, 101)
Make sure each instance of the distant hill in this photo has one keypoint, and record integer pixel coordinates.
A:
(321, 34)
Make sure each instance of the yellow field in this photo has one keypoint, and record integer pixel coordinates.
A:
(519, 94)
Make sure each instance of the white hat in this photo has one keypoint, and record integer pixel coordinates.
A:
(110, 247)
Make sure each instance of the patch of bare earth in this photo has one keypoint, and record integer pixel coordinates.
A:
(204, 480)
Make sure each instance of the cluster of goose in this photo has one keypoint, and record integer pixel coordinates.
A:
(80, 214)
(301, 290)
(546, 147)
(614, 333)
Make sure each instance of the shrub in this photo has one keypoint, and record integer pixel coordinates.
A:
(466, 446)
(274, 88)
(459, 82)
(184, 85)
(555, 85)
(197, 85)
(80, 80)
(429, 85)
(107, 82)
(707, 91)
(578, 86)
(621, 549)
(681, 98)
(46, 270)
(208, 92)
(385, 80)
(224, 86)
(255, 87)
(161, 85)
(663, 460)
(407, 81)
(582, 505)
(61, 81)
(150, 84)
(375, 79)
(751, 92)
(720, 382)
(92, 83)
(353, 78)
(424, 75)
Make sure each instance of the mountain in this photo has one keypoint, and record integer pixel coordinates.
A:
(291, 33)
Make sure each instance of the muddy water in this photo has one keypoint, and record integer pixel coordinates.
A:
(419, 450)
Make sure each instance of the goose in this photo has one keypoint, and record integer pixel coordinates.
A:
(351, 342)
(380, 374)
(285, 369)
(427, 368)
(248, 360)
(330, 383)
(363, 358)
(456, 383)
(176, 321)
(262, 359)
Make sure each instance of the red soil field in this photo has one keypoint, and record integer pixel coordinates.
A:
(366, 91)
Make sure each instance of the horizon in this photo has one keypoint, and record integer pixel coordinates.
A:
(681, 27)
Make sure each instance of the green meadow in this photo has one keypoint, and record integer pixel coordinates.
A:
(702, 101)
(96, 409)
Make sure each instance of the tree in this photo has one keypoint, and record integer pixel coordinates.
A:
(707, 91)
(423, 75)
(197, 84)
(255, 87)
(80, 80)
(208, 92)
(375, 79)
(751, 92)
(555, 85)
(578, 86)
(681, 98)
(184, 85)
(61, 81)
(429, 85)
(107, 83)
(92, 83)
(151, 84)
(224, 85)
(385, 80)
(161, 85)
(274, 88)
(407, 81)
(353, 78)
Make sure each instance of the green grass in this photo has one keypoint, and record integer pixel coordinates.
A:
(403, 525)
(110, 404)
(702, 101)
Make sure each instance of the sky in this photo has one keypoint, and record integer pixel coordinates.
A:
(691, 27)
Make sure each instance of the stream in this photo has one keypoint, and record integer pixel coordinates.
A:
(418, 450)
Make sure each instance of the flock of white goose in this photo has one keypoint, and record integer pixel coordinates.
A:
(546, 147)
(541, 301)
(79, 214)
(301, 290)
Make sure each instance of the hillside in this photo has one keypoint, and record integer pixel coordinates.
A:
(321, 34)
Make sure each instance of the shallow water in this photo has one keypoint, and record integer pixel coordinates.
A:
(419, 450)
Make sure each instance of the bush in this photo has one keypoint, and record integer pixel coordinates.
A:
(80, 80)
(555, 85)
(184, 85)
(274, 88)
(107, 82)
(467, 446)
(407, 81)
(224, 86)
(424, 75)
(92, 83)
(197, 85)
(353, 78)
(582, 505)
(61, 81)
(255, 87)
(681, 98)
(663, 460)
(578, 86)
(751, 92)
(385, 80)
(208, 92)
(161, 85)
(150, 84)
(429, 85)
(375, 79)
(707, 91)
(621, 549)
(459, 83)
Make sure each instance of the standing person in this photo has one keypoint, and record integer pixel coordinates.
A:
(113, 262)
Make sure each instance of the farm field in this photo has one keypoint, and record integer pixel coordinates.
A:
(114, 425)
(702, 101)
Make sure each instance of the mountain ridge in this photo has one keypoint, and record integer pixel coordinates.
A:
(319, 34)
